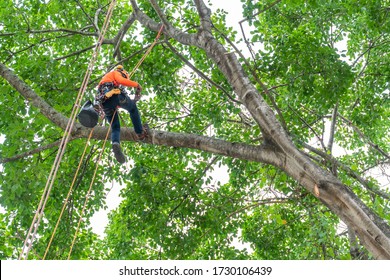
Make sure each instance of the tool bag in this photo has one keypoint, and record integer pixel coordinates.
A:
(88, 116)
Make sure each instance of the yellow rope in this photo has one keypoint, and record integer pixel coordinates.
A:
(69, 193)
(65, 139)
(90, 186)
(147, 52)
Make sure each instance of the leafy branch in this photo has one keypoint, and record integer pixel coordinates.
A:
(33, 151)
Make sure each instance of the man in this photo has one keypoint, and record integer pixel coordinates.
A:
(111, 97)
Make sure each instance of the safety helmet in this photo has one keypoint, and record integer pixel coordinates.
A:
(124, 73)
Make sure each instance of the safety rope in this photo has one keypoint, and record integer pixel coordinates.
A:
(97, 164)
(65, 139)
(90, 186)
(68, 195)
(147, 52)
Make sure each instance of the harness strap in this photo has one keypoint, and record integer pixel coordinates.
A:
(106, 90)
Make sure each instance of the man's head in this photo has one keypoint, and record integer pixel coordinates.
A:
(122, 71)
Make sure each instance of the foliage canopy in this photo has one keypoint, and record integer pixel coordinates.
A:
(322, 66)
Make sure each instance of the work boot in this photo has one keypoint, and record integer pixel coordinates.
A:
(116, 148)
(144, 133)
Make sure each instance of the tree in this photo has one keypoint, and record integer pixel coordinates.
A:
(208, 105)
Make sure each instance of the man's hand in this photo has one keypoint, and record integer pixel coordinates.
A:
(138, 95)
(138, 90)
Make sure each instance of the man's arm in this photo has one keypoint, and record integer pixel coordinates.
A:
(123, 81)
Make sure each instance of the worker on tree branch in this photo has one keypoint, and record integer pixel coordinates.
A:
(111, 95)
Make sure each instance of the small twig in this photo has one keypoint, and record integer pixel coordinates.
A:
(246, 19)
(364, 137)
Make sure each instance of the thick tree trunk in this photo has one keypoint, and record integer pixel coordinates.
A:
(373, 232)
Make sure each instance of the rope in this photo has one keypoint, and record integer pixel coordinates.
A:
(69, 193)
(65, 139)
(147, 52)
(90, 186)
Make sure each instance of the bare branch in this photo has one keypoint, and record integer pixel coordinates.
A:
(62, 30)
(121, 33)
(96, 19)
(333, 128)
(246, 19)
(169, 30)
(87, 16)
(305, 123)
(370, 47)
(36, 44)
(75, 53)
(262, 11)
(332, 134)
(194, 183)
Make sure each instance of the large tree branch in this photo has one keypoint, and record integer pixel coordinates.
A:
(266, 90)
(348, 170)
(263, 153)
(160, 13)
(369, 227)
(277, 149)
(204, 13)
(35, 100)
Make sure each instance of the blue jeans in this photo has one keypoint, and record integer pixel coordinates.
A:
(121, 101)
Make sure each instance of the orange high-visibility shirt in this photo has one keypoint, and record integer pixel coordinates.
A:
(117, 78)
